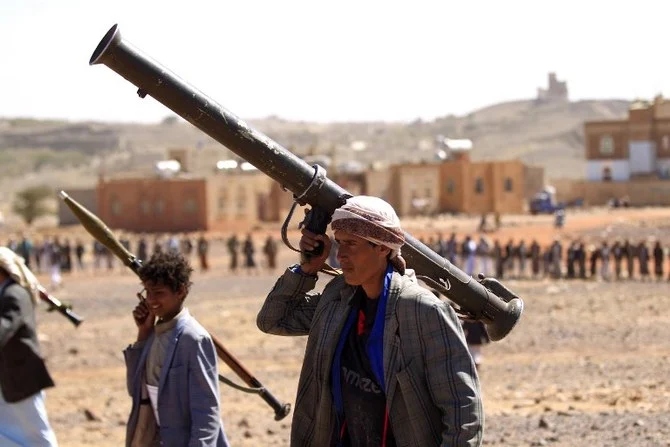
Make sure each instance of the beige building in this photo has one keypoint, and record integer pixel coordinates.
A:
(179, 198)
(460, 186)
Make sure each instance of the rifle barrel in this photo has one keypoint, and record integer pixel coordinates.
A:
(54, 303)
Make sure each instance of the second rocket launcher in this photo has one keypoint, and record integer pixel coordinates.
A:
(104, 235)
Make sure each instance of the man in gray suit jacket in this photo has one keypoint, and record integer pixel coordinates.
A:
(172, 369)
(23, 373)
(386, 362)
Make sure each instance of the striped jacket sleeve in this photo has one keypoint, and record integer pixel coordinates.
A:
(289, 307)
(451, 375)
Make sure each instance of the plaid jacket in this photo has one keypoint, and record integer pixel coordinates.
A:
(432, 388)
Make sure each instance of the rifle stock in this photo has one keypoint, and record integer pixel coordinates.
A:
(486, 300)
(104, 235)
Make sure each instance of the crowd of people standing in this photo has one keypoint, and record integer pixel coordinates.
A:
(619, 259)
(58, 256)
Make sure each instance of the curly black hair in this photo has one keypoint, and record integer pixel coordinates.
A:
(168, 268)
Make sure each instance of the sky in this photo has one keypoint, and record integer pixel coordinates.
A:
(349, 60)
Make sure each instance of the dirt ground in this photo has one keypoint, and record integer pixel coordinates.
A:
(587, 365)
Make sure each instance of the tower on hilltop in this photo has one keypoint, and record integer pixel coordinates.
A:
(556, 90)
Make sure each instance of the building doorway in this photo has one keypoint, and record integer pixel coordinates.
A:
(607, 174)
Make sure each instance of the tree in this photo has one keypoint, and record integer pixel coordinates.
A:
(169, 120)
(30, 203)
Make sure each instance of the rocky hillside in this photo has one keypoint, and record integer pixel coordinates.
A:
(546, 134)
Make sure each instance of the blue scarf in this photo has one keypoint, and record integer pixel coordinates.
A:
(373, 347)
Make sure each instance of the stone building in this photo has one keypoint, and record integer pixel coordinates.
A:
(556, 90)
(184, 203)
(174, 198)
(635, 147)
(626, 159)
(455, 185)
(459, 186)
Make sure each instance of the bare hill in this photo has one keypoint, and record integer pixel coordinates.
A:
(549, 134)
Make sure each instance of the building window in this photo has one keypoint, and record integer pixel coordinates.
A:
(665, 143)
(451, 186)
(190, 205)
(509, 185)
(241, 200)
(116, 206)
(479, 185)
(606, 145)
(223, 198)
(159, 206)
(145, 207)
(607, 174)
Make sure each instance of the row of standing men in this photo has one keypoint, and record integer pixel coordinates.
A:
(622, 259)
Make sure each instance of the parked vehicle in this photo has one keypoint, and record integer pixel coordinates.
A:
(544, 202)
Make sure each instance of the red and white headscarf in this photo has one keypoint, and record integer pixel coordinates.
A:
(374, 220)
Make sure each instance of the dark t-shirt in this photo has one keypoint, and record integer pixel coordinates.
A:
(363, 397)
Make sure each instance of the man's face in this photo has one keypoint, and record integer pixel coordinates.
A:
(162, 301)
(362, 263)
